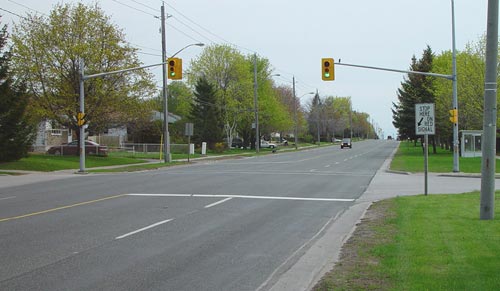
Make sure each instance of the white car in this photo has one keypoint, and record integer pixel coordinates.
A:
(266, 144)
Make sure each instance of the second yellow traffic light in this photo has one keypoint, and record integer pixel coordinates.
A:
(327, 69)
(454, 115)
(80, 118)
(174, 68)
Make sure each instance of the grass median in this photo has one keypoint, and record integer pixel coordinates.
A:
(434, 242)
(48, 163)
(410, 158)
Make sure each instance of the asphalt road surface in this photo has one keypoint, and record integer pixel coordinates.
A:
(235, 224)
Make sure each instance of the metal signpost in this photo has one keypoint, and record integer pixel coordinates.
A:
(425, 125)
(188, 131)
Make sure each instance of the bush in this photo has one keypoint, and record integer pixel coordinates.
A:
(219, 147)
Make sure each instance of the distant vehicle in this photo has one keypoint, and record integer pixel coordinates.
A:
(346, 143)
(389, 137)
(266, 144)
(237, 143)
(72, 148)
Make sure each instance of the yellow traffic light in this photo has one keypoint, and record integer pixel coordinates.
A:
(80, 119)
(174, 69)
(454, 115)
(327, 69)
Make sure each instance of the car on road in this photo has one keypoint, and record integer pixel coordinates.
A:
(266, 144)
(72, 148)
(346, 143)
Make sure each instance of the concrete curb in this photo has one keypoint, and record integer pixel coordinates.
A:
(322, 256)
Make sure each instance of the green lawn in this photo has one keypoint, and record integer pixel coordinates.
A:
(47, 163)
(434, 242)
(411, 159)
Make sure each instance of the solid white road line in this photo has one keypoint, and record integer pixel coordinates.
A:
(5, 198)
(218, 202)
(243, 196)
(143, 229)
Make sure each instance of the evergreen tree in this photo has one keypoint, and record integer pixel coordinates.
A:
(414, 89)
(313, 120)
(16, 132)
(206, 115)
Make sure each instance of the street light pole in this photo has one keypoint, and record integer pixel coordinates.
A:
(295, 133)
(255, 105)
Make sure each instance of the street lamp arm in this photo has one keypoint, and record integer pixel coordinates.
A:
(193, 44)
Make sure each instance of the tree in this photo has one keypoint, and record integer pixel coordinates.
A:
(414, 89)
(16, 130)
(205, 115)
(46, 55)
(314, 116)
(227, 70)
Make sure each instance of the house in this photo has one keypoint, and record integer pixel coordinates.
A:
(49, 135)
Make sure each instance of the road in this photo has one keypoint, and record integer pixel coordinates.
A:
(216, 225)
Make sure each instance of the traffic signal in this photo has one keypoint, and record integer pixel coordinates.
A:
(174, 69)
(454, 115)
(80, 118)
(327, 69)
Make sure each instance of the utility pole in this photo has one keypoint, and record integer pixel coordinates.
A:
(317, 116)
(350, 117)
(295, 133)
(256, 108)
(487, 207)
(166, 134)
(456, 167)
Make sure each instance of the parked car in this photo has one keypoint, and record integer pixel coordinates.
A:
(237, 143)
(266, 144)
(72, 148)
(346, 143)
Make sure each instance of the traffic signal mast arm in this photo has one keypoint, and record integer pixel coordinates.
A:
(449, 77)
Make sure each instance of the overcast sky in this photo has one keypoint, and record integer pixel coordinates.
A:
(294, 35)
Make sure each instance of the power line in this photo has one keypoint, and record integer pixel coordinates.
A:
(187, 35)
(13, 13)
(208, 31)
(192, 29)
(142, 4)
(149, 54)
(27, 7)
(137, 9)
(145, 47)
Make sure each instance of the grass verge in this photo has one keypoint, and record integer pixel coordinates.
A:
(48, 163)
(410, 158)
(421, 243)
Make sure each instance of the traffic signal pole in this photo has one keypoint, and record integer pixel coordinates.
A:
(82, 111)
(456, 167)
(166, 134)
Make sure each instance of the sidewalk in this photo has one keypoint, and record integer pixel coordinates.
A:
(321, 257)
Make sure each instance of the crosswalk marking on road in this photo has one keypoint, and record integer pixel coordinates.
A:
(244, 197)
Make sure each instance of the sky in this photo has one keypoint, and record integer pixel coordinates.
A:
(294, 35)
